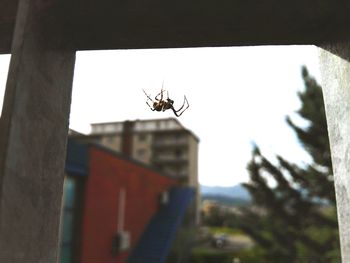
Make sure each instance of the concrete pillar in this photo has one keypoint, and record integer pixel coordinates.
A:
(33, 134)
(335, 69)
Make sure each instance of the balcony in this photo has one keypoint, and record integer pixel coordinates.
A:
(170, 142)
(169, 159)
(179, 175)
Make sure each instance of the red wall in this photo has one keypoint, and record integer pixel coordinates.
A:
(108, 174)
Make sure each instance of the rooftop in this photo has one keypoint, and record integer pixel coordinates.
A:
(150, 125)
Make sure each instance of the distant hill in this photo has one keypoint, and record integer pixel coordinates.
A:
(225, 200)
(236, 191)
(233, 195)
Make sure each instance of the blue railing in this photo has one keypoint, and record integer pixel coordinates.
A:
(155, 243)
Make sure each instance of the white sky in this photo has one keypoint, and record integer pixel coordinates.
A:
(237, 95)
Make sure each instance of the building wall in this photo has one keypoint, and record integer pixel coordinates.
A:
(112, 141)
(193, 175)
(142, 147)
(163, 143)
(171, 153)
(108, 176)
(193, 161)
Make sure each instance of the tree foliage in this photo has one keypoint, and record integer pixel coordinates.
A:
(299, 222)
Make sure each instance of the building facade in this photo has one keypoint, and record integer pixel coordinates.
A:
(164, 144)
(109, 203)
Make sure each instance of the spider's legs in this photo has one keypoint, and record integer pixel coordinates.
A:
(179, 112)
(149, 98)
(160, 94)
(184, 104)
(150, 106)
(165, 107)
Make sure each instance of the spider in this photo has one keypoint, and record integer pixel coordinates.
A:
(160, 104)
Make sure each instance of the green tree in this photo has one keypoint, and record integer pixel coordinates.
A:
(297, 217)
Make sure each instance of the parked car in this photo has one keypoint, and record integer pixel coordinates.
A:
(219, 241)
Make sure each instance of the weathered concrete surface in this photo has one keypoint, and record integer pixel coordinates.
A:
(33, 133)
(115, 24)
(335, 71)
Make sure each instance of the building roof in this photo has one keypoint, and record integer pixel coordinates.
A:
(171, 119)
(72, 133)
(140, 126)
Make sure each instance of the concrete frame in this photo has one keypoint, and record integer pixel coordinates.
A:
(335, 69)
(34, 128)
(43, 35)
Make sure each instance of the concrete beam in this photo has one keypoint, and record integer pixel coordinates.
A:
(335, 69)
(118, 24)
(33, 135)
(207, 23)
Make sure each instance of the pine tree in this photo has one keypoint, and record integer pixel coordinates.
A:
(297, 219)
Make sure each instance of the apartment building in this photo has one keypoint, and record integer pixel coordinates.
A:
(164, 144)
(116, 209)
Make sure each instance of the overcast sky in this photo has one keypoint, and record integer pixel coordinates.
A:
(237, 96)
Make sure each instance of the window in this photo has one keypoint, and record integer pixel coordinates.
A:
(67, 222)
(178, 153)
(141, 153)
(142, 137)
